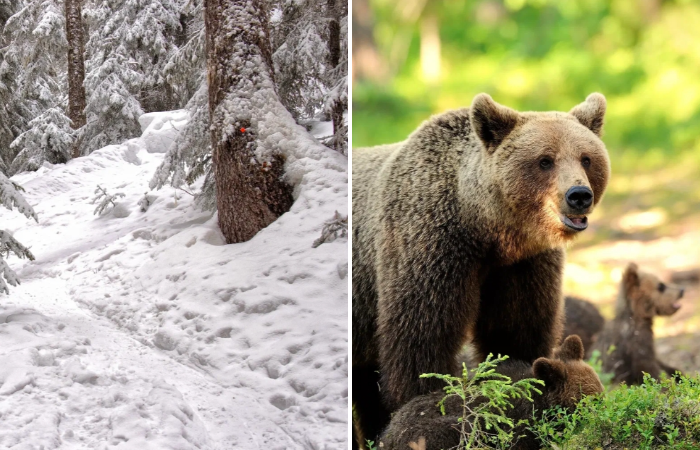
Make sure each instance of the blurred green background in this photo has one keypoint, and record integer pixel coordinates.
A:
(414, 58)
(644, 55)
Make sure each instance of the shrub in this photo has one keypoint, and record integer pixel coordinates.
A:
(658, 414)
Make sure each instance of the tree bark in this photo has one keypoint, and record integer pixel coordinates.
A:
(334, 59)
(249, 193)
(76, 68)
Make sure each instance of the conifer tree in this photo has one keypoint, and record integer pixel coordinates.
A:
(336, 101)
(49, 138)
(308, 80)
(34, 70)
(310, 56)
(130, 44)
(10, 116)
(249, 191)
(10, 198)
(190, 156)
(300, 55)
(76, 67)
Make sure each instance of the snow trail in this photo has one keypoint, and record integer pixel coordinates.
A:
(142, 330)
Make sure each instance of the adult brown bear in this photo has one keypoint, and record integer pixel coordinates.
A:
(459, 232)
(583, 319)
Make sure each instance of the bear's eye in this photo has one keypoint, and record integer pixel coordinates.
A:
(662, 287)
(586, 162)
(546, 163)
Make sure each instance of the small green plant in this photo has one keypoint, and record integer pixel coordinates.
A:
(485, 396)
(596, 362)
(658, 414)
(370, 445)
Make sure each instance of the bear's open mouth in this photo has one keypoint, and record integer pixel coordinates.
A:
(676, 306)
(577, 223)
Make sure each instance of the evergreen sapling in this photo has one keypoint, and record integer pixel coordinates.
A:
(105, 200)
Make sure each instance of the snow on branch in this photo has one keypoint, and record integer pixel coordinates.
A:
(49, 138)
(10, 197)
(8, 244)
(146, 201)
(332, 229)
(105, 200)
(7, 274)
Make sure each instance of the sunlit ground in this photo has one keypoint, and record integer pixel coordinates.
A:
(651, 217)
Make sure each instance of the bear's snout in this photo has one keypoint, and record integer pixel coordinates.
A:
(579, 198)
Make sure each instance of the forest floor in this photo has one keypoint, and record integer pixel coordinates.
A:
(143, 330)
(651, 218)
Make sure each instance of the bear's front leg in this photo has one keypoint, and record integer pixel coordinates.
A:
(425, 308)
(521, 309)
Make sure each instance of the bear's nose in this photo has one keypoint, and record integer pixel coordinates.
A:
(579, 197)
(680, 295)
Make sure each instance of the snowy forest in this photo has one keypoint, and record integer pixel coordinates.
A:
(138, 139)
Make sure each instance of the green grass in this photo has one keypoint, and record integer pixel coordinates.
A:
(659, 414)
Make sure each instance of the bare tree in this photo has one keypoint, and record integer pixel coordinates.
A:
(249, 191)
(76, 68)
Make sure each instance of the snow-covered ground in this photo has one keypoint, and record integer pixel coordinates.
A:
(142, 330)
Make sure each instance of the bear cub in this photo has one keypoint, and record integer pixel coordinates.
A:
(583, 319)
(642, 296)
(567, 380)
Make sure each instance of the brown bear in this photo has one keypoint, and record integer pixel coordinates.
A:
(582, 318)
(567, 379)
(642, 296)
(459, 231)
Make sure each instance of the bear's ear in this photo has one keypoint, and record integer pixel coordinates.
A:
(552, 372)
(571, 349)
(491, 122)
(630, 279)
(591, 112)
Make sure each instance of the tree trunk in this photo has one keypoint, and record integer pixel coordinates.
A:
(334, 59)
(76, 68)
(249, 193)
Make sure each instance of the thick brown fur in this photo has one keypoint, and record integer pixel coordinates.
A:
(567, 379)
(582, 318)
(642, 296)
(458, 232)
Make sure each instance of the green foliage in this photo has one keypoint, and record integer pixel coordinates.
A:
(659, 414)
(544, 55)
(485, 396)
(596, 362)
